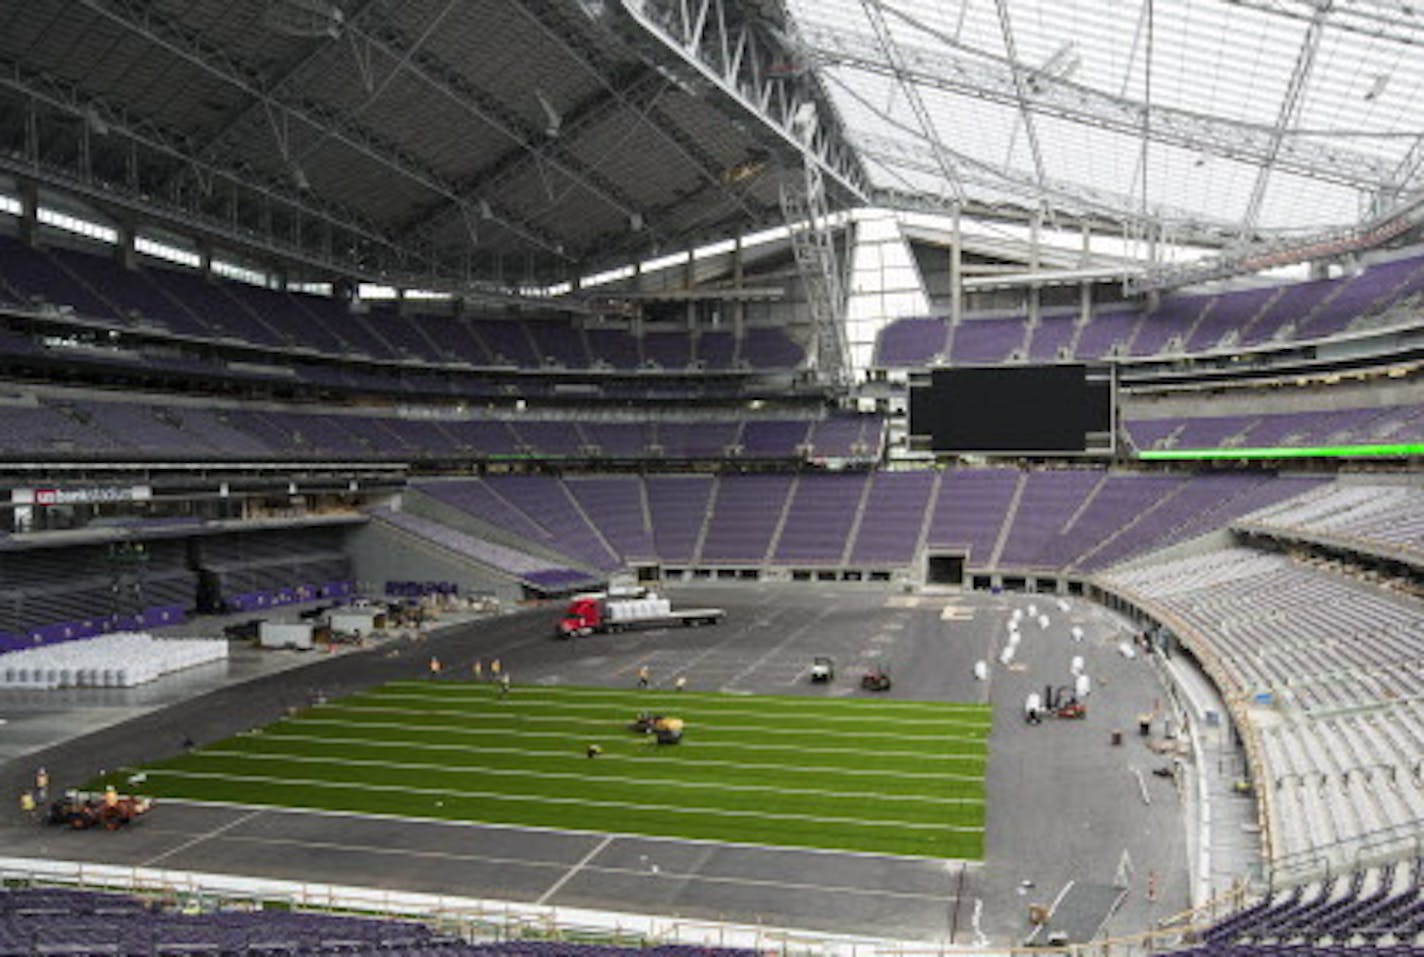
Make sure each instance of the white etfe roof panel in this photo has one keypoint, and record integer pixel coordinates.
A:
(1361, 92)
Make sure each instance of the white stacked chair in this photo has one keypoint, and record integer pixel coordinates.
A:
(119, 660)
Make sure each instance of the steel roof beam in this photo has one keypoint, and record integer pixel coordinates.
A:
(1072, 198)
(1006, 30)
(67, 98)
(1392, 20)
(891, 50)
(913, 153)
(912, 94)
(955, 67)
(140, 18)
(1403, 182)
(641, 94)
(489, 111)
(719, 45)
(254, 104)
(1290, 106)
(367, 253)
(588, 56)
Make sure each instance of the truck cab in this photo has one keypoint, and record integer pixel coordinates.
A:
(583, 616)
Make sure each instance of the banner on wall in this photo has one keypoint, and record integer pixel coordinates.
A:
(92, 495)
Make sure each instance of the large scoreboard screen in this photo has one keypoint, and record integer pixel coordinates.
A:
(1061, 409)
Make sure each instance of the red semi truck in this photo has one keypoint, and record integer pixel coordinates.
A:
(599, 612)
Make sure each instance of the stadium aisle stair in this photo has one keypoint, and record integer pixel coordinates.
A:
(1010, 514)
(1256, 316)
(712, 498)
(592, 525)
(1078, 327)
(1084, 505)
(647, 507)
(1189, 335)
(855, 523)
(374, 332)
(278, 333)
(1127, 526)
(925, 522)
(91, 288)
(781, 520)
(586, 444)
(1021, 350)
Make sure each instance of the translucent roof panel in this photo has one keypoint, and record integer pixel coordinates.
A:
(1289, 115)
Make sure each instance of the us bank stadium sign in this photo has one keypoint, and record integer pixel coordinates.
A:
(46, 497)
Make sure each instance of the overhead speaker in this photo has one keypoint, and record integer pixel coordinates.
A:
(304, 18)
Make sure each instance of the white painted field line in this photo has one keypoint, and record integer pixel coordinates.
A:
(739, 745)
(815, 709)
(550, 799)
(682, 758)
(707, 719)
(201, 838)
(543, 829)
(568, 776)
(665, 874)
(545, 695)
(558, 884)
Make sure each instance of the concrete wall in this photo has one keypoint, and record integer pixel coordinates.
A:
(380, 554)
(1373, 395)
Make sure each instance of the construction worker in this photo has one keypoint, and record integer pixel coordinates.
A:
(643, 676)
(434, 667)
(1033, 708)
(41, 784)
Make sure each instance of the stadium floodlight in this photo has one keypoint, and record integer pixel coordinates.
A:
(95, 122)
(304, 18)
(1060, 66)
(555, 120)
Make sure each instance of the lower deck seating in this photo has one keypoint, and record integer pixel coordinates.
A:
(1326, 668)
(1399, 424)
(88, 428)
(61, 921)
(1073, 520)
(1378, 910)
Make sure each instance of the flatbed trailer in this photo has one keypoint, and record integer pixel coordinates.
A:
(594, 613)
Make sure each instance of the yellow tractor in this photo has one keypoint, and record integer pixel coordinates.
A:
(668, 730)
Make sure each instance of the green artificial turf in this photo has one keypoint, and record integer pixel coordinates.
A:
(859, 774)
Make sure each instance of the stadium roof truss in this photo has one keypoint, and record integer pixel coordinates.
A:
(490, 144)
(1216, 121)
(443, 142)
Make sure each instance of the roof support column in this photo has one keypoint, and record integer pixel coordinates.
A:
(1085, 291)
(124, 253)
(1035, 239)
(689, 279)
(640, 284)
(739, 305)
(29, 212)
(956, 269)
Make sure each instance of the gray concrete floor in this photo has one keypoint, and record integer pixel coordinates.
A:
(1065, 806)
